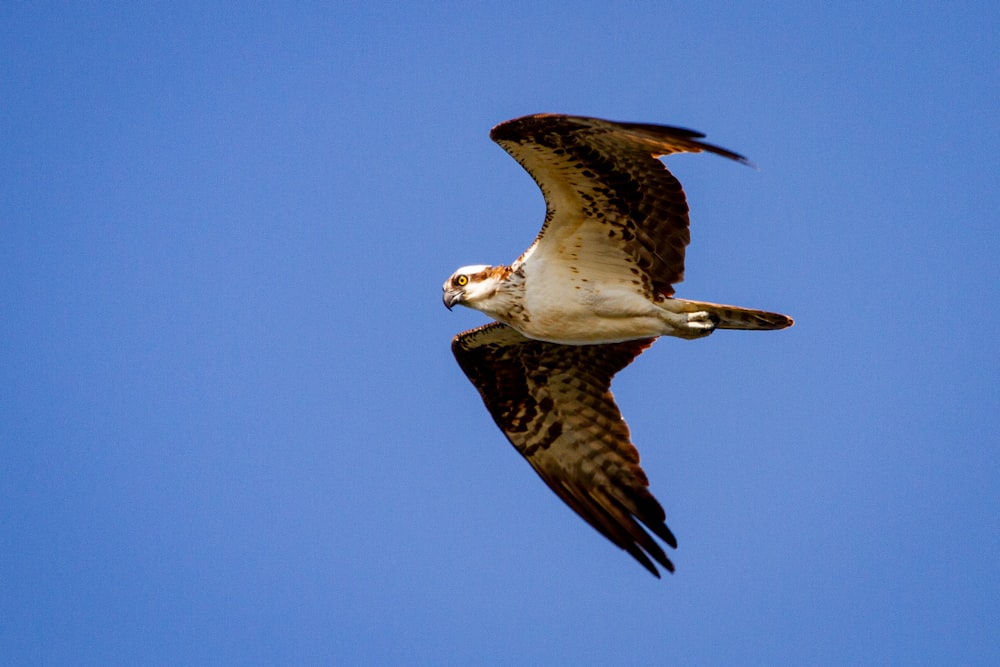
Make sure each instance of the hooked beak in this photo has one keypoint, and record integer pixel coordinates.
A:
(451, 297)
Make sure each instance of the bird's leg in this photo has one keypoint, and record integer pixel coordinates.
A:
(702, 323)
(689, 325)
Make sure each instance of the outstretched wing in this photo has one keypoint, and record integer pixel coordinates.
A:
(613, 211)
(554, 404)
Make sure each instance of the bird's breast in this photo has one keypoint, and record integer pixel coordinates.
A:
(585, 316)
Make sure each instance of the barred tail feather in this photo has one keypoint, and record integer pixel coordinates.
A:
(734, 317)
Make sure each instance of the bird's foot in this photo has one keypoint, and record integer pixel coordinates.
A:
(699, 324)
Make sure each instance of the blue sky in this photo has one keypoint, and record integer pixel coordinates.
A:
(231, 429)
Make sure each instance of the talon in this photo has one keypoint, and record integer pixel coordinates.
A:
(702, 323)
(703, 320)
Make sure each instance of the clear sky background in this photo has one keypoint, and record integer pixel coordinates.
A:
(231, 428)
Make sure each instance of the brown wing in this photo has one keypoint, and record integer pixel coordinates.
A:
(554, 404)
(609, 201)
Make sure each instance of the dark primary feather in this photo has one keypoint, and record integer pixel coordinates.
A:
(554, 404)
(606, 175)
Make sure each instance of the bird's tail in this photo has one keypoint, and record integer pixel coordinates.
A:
(734, 317)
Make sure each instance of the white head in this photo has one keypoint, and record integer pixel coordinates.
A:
(470, 286)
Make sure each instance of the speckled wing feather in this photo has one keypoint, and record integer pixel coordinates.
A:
(611, 205)
(554, 404)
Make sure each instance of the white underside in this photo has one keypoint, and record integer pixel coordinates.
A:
(574, 311)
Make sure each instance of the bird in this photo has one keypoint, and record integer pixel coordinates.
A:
(589, 295)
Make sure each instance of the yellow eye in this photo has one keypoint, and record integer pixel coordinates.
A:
(462, 280)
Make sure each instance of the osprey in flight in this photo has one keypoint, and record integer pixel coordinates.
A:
(588, 296)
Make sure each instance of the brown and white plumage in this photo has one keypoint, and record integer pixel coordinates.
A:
(588, 296)
(554, 403)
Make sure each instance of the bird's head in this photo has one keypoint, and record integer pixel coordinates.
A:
(470, 286)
